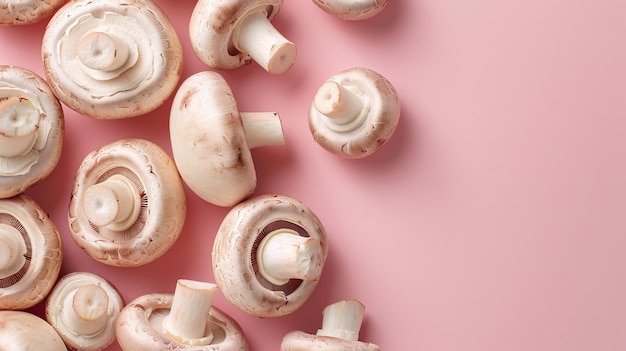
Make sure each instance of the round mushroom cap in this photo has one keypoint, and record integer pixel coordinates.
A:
(209, 143)
(373, 127)
(352, 9)
(235, 248)
(42, 145)
(153, 177)
(300, 341)
(27, 225)
(20, 12)
(21, 330)
(112, 59)
(138, 327)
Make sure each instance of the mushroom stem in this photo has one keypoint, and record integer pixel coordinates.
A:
(255, 35)
(342, 320)
(12, 251)
(19, 122)
(337, 103)
(88, 313)
(262, 129)
(284, 255)
(102, 51)
(114, 203)
(187, 320)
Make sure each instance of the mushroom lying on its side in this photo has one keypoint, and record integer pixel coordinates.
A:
(25, 331)
(20, 12)
(352, 9)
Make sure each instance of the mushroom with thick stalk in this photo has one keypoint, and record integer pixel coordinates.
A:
(20, 12)
(31, 253)
(112, 59)
(20, 330)
(340, 331)
(227, 34)
(211, 140)
(128, 203)
(83, 308)
(352, 9)
(268, 255)
(31, 130)
(354, 113)
(185, 320)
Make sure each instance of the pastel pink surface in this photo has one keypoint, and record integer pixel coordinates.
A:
(492, 220)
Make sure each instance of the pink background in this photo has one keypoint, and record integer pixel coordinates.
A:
(492, 220)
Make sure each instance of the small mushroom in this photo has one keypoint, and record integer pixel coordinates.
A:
(352, 9)
(128, 203)
(185, 320)
(21, 330)
(112, 59)
(226, 34)
(20, 12)
(83, 308)
(211, 140)
(354, 113)
(31, 253)
(31, 130)
(340, 331)
(268, 255)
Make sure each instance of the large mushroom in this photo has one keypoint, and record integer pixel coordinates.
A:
(20, 12)
(352, 9)
(354, 113)
(21, 330)
(227, 34)
(185, 320)
(31, 130)
(128, 203)
(112, 59)
(211, 140)
(31, 253)
(268, 255)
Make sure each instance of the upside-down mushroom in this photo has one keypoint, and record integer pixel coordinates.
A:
(354, 113)
(211, 139)
(185, 320)
(268, 255)
(24, 331)
(352, 9)
(128, 203)
(20, 12)
(227, 34)
(31, 130)
(112, 59)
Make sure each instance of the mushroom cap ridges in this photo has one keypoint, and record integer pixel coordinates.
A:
(19, 12)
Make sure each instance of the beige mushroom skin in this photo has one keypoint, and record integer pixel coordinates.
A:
(352, 9)
(296, 246)
(128, 203)
(211, 139)
(26, 231)
(25, 331)
(354, 113)
(31, 130)
(112, 59)
(20, 12)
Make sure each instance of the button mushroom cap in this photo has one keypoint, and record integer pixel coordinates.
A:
(128, 203)
(21, 330)
(268, 255)
(111, 59)
(354, 113)
(31, 253)
(31, 130)
(83, 308)
(19, 12)
(352, 9)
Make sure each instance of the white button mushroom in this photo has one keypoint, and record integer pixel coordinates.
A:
(20, 12)
(21, 330)
(112, 58)
(211, 139)
(83, 308)
(31, 130)
(340, 331)
(354, 113)
(128, 203)
(268, 255)
(185, 320)
(31, 253)
(352, 9)
(227, 34)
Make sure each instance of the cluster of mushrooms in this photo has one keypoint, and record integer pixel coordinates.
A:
(128, 204)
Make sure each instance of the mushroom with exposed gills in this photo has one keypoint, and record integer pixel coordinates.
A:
(268, 255)
(20, 330)
(211, 140)
(83, 308)
(20, 12)
(31, 130)
(128, 203)
(352, 9)
(185, 320)
(340, 331)
(31, 253)
(354, 113)
(226, 34)
(111, 59)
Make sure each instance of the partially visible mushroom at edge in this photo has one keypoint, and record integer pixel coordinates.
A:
(19, 12)
(352, 9)
(20, 330)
